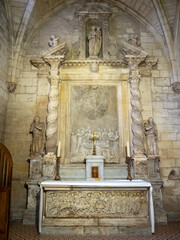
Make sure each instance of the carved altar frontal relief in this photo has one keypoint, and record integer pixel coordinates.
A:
(62, 204)
(96, 110)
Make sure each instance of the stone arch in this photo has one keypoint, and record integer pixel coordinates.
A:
(121, 5)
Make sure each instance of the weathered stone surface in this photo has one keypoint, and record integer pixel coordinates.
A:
(96, 204)
(49, 166)
(158, 99)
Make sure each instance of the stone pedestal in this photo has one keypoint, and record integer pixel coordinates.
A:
(160, 215)
(157, 183)
(94, 163)
(49, 166)
(35, 168)
(140, 167)
(31, 213)
(35, 174)
(39, 170)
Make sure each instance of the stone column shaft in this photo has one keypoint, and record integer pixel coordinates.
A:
(136, 111)
(140, 160)
(52, 111)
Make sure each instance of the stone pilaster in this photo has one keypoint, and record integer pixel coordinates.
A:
(52, 112)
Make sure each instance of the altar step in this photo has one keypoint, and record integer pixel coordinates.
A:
(78, 173)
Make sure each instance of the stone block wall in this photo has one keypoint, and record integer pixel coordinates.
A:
(4, 54)
(31, 97)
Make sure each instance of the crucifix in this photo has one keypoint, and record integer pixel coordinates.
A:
(94, 137)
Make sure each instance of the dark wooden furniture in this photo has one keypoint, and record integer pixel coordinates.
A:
(5, 190)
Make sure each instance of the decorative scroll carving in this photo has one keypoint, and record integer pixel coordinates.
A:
(97, 99)
(107, 144)
(96, 203)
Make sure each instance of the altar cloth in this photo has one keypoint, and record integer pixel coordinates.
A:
(102, 184)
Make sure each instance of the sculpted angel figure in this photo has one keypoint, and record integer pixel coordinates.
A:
(95, 40)
(54, 41)
(152, 136)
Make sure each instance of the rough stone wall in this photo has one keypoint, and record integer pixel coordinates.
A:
(4, 45)
(30, 99)
(20, 113)
(165, 109)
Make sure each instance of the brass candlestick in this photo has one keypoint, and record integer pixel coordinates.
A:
(128, 161)
(94, 137)
(57, 177)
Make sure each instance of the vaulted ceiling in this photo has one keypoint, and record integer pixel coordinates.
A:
(161, 17)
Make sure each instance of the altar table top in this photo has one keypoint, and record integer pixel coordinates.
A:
(106, 183)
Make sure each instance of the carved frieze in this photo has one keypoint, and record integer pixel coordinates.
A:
(62, 204)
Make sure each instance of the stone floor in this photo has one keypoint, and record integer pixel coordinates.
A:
(19, 231)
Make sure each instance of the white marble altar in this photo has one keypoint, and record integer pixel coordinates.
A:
(83, 207)
(94, 161)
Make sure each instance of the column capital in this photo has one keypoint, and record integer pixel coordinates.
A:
(133, 61)
(54, 61)
(39, 63)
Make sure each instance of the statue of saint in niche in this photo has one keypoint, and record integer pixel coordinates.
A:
(37, 129)
(152, 136)
(95, 40)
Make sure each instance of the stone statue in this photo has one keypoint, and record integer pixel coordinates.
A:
(54, 41)
(95, 40)
(152, 136)
(37, 129)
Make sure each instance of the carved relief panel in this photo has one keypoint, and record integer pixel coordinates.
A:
(63, 204)
(96, 110)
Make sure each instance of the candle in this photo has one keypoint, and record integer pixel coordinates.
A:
(128, 149)
(59, 149)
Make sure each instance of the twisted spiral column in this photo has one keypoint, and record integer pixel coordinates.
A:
(136, 111)
(52, 111)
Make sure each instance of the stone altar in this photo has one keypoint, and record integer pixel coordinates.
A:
(106, 207)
